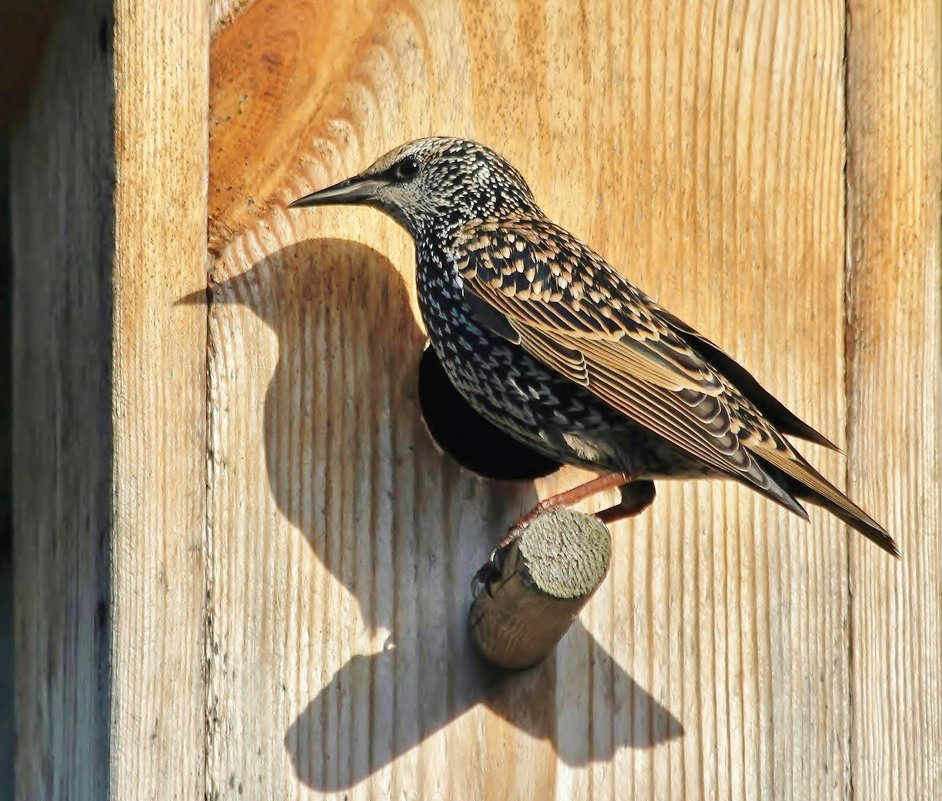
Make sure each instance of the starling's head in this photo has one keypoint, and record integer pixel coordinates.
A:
(433, 184)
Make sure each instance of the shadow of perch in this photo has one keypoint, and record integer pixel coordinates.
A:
(526, 699)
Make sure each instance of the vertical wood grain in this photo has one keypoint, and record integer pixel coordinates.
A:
(699, 147)
(109, 190)
(894, 392)
(158, 399)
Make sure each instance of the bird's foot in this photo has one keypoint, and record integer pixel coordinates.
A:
(572, 497)
(492, 568)
(635, 498)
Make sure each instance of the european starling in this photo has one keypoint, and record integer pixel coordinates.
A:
(548, 342)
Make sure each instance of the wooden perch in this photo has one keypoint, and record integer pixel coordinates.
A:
(532, 590)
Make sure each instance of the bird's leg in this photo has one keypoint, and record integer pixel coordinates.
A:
(568, 498)
(635, 498)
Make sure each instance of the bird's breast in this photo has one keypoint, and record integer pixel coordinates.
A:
(463, 347)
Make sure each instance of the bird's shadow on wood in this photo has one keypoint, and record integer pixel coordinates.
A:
(400, 525)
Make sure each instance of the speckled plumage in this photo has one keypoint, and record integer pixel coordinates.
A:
(547, 341)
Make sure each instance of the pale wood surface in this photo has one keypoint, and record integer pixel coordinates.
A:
(701, 149)
(109, 198)
(158, 398)
(894, 354)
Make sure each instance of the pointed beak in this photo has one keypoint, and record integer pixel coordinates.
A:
(350, 192)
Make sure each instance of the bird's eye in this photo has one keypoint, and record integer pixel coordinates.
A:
(407, 168)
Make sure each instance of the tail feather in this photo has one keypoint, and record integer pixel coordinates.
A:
(806, 483)
(857, 519)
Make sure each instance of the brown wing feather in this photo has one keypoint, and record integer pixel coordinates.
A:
(696, 427)
(771, 407)
(817, 489)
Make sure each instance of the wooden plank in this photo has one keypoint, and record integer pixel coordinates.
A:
(62, 423)
(24, 28)
(895, 392)
(159, 399)
(697, 145)
(109, 231)
(224, 12)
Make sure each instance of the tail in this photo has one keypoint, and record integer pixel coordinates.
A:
(806, 483)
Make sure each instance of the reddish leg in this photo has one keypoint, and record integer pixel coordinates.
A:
(568, 498)
(635, 498)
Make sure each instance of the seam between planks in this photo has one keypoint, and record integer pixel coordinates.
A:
(209, 633)
(209, 715)
(209, 637)
(847, 278)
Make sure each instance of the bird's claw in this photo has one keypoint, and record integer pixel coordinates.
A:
(491, 570)
(481, 582)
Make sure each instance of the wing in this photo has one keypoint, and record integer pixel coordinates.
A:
(533, 283)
